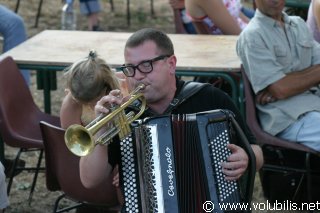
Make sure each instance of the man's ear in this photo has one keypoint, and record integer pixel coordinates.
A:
(172, 62)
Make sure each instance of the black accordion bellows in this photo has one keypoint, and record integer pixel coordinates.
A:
(172, 164)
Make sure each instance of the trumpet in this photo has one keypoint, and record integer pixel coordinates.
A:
(81, 141)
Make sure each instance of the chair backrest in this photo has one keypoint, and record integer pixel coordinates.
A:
(62, 170)
(201, 27)
(252, 120)
(178, 23)
(254, 5)
(19, 115)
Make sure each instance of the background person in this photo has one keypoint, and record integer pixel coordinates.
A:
(87, 81)
(149, 59)
(313, 20)
(91, 9)
(282, 62)
(220, 16)
(187, 21)
(14, 32)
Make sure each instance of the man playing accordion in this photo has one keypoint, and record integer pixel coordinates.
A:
(150, 60)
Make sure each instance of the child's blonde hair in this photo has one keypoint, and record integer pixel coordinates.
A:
(89, 77)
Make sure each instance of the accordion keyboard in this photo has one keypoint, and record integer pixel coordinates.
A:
(227, 190)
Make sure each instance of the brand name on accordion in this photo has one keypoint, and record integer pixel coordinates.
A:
(170, 172)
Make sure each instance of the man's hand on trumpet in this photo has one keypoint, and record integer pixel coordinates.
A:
(106, 102)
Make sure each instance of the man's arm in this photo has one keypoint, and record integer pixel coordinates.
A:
(217, 12)
(292, 84)
(295, 83)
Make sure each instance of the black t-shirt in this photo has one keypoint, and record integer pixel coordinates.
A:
(207, 98)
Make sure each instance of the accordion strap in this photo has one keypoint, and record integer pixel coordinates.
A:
(252, 160)
(188, 89)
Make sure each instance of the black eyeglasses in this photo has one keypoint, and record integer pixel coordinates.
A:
(144, 66)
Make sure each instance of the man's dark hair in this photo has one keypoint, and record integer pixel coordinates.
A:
(162, 41)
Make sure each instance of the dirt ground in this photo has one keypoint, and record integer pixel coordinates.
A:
(43, 199)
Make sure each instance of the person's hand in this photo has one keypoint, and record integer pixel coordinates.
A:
(105, 104)
(115, 180)
(124, 84)
(265, 97)
(236, 164)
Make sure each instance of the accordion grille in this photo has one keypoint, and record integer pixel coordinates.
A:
(151, 177)
(219, 154)
(129, 176)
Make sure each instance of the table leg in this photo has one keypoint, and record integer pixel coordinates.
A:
(47, 81)
(152, 8)
(128, 13)
(47, 93)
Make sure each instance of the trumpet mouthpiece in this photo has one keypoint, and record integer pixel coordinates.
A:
(141, 86)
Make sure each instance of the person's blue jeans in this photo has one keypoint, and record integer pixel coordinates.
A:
(247, 12)
(13, 31)
(189, 28)
(305, 130)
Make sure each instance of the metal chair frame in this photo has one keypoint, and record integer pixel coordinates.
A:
(279, 146)
(19, 119)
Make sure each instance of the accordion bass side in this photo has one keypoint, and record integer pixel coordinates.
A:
(172, 163)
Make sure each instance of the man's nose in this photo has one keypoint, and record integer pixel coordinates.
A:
(139, 75)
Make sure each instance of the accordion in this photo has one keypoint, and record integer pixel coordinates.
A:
(172, 163)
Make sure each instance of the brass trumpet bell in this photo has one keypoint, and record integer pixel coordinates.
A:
(81, 140)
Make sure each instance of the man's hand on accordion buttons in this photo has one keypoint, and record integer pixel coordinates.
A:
(115, 180)
(236, 164)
